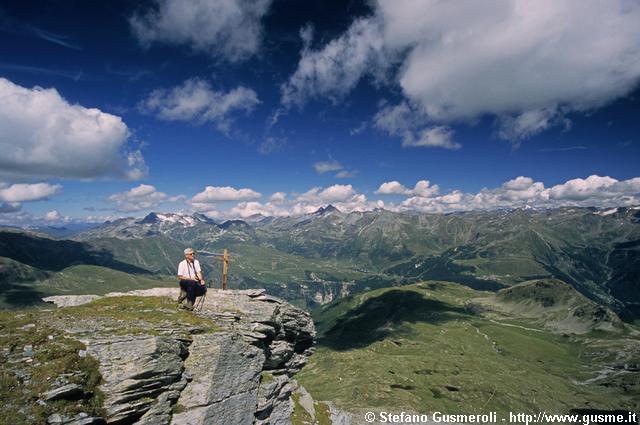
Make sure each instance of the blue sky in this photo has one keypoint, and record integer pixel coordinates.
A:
(115, 108)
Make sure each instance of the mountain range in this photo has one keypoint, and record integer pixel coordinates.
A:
(315, 258)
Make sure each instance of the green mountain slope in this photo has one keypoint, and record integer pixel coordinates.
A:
(34, 265)
(50, 254)
(554, 305)
(424, 347)
(76, 280)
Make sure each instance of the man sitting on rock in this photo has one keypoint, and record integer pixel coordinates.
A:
(192, 283)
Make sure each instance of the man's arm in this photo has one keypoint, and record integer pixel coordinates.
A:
(199, 272)
(182, 268)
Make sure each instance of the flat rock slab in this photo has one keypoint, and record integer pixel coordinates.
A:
(68, 391)
(70, 300)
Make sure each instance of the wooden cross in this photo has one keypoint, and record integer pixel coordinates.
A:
(225, 267)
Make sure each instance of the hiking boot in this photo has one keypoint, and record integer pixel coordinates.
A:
(182, 296)
(189, 305)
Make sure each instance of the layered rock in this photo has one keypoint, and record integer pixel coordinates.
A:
(236, 369)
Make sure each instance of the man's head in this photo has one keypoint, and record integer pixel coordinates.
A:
(189, 253)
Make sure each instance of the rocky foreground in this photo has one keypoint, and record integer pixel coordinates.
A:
(233, 365)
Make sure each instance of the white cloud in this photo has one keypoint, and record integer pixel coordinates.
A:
(42, 135)
(53, 215)
(213, 194)
(335, 193)
(322, 167)
(12, 196)
(440, 136)
(247, 209)
(522, 191)
(404, 121)
(335, 69)
(278, 198)
(139, 198)
(423, 188)
(396, 119)
(195, 101)
(595, 188)
(343, 197)
(528, 65)
(228, 29)
(425, 196)
(24, 192)
(392, 188)
(528, 123)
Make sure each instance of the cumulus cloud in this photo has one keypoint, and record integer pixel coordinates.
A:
(392, 188)
(523, 191)
(213, 194)
(195, 101)
(248, 209)
(24, 192)
(596, 188)
(225, 29)
(139, 198)
(335, 193)
(423, 188)
(53, 215)
(278, 197)
(343, 197)
(529, 66)
(43, 135)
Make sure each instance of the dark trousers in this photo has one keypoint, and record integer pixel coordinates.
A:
(193, 289)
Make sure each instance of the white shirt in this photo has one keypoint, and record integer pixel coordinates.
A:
(185, 269)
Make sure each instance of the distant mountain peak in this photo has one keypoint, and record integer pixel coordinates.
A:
(326, 210)
(171, 218)
(235, 223)
(203, 218)
(150, 218)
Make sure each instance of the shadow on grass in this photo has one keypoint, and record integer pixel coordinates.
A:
(385, 316)
(18, 296)
(443, 268)
(55, 255)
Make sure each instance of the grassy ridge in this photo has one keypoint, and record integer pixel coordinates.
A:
(418, 347)
(77, 280)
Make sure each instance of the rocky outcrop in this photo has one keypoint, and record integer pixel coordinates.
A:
(233, 368)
